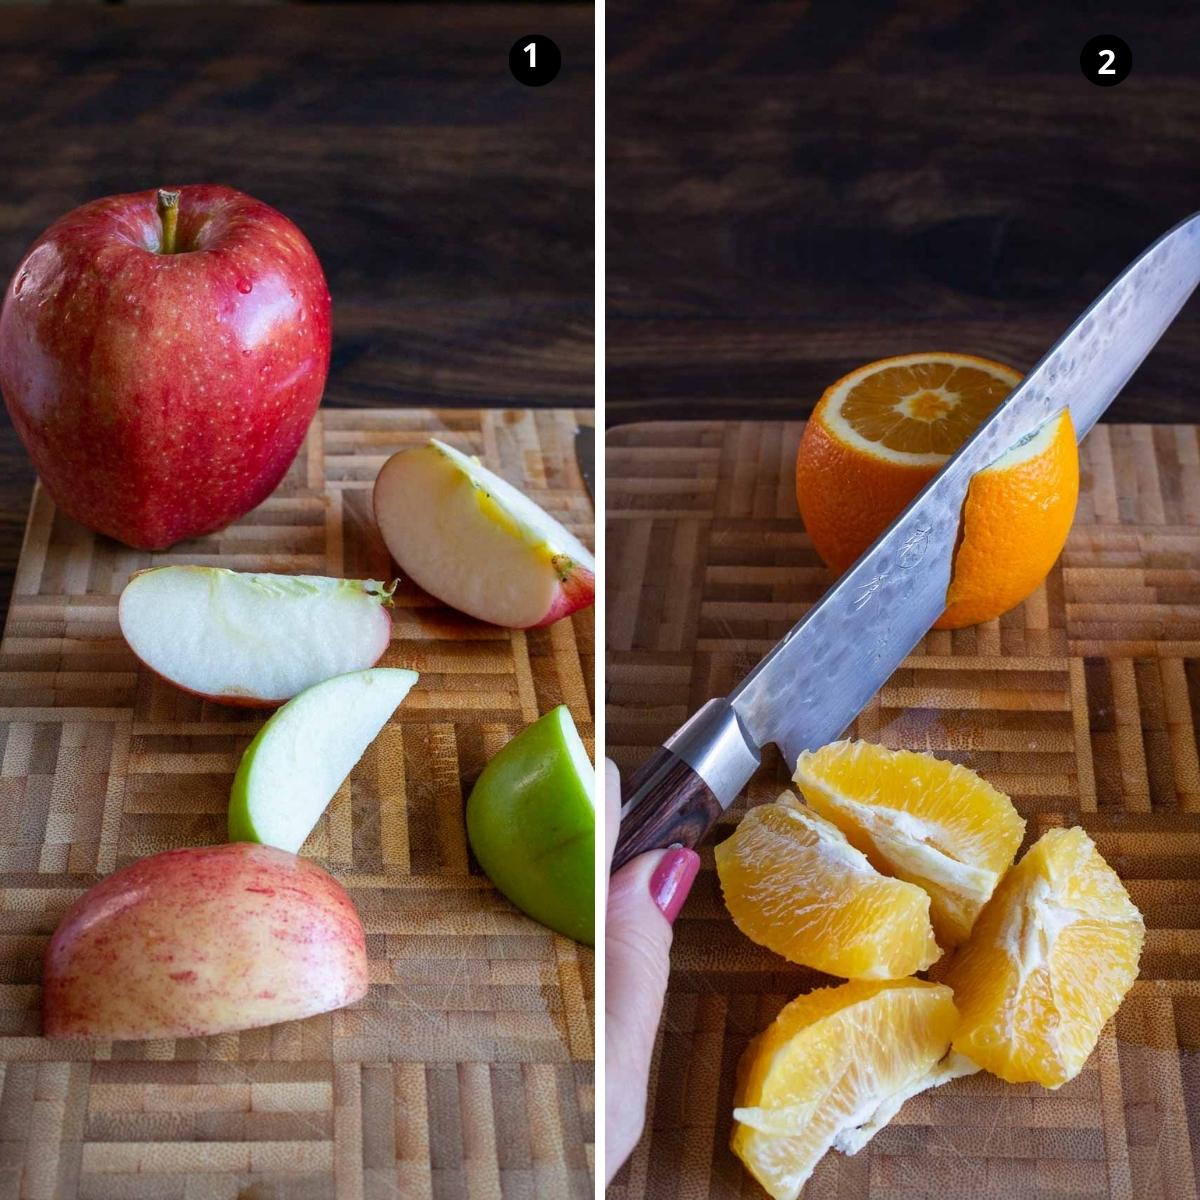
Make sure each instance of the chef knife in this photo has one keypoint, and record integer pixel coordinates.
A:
(815, 681)
(585, 458)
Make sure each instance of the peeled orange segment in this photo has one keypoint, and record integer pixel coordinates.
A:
(879, 434)
(832, 1069)
(930, 822)
(1047, 964)
(794, 884)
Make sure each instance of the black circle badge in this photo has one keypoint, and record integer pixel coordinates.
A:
(534, 60)
(1106, 60)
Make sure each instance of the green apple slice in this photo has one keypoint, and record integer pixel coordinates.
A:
(252, 639)
(302, 755)
(531, 821)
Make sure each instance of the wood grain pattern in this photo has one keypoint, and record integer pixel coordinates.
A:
(1081, 704)
(451, 207)
(467, 1070)
(795, 189)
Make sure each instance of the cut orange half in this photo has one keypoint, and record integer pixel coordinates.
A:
(879, 434)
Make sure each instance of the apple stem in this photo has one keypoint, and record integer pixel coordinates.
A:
(168, 213)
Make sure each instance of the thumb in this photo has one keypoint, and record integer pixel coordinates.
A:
(644, 897)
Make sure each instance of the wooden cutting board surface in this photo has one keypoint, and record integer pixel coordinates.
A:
(1081, 704)
(467, 1071)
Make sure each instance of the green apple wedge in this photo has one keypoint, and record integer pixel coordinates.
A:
(531, 822)
(301, 756)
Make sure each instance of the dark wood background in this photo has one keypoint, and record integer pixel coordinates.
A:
(452, 207)
(798, 188)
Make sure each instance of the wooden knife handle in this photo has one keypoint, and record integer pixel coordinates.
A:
(663, 803)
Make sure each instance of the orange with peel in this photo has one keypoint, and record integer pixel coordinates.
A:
(1015, 523)
(880, 433)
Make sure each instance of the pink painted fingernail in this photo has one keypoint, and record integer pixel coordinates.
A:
(672, 880)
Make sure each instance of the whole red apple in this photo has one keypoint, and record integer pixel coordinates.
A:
(162, 354)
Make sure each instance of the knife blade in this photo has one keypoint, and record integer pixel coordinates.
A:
(823, 672)
(585, 458)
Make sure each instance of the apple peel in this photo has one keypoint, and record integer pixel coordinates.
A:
(531, 823)
(477, 543)
(203, 940)
(252, 640)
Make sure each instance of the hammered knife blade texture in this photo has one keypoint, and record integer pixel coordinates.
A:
(820, 676)
(585, 458)
(817, 679)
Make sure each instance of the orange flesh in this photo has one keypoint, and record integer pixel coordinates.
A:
(793, 883)
(929, 408)
(1048, 962)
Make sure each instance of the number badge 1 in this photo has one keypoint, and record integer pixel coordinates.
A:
(534, 60)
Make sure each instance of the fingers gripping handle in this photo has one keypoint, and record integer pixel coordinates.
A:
(680, 791)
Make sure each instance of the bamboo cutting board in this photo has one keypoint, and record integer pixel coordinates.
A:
(1081, 704)
(467, 1069)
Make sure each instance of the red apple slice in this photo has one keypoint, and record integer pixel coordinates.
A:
(252, 640)
(478, 544)
(203, 940)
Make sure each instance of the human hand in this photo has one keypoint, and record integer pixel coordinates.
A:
(644, 897)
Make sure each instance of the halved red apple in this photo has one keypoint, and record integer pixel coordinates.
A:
(252, 640)
(475, 542)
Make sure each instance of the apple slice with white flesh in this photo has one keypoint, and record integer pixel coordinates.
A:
(301, 756)
(478, 544)
(252, 640)
(202, 940)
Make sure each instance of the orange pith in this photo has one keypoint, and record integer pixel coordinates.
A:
(1047, 964)
(794, 884)
(879, 434)
(921, 819)
(835, 1065)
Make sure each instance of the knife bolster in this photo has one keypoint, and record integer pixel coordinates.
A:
(714, 743)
